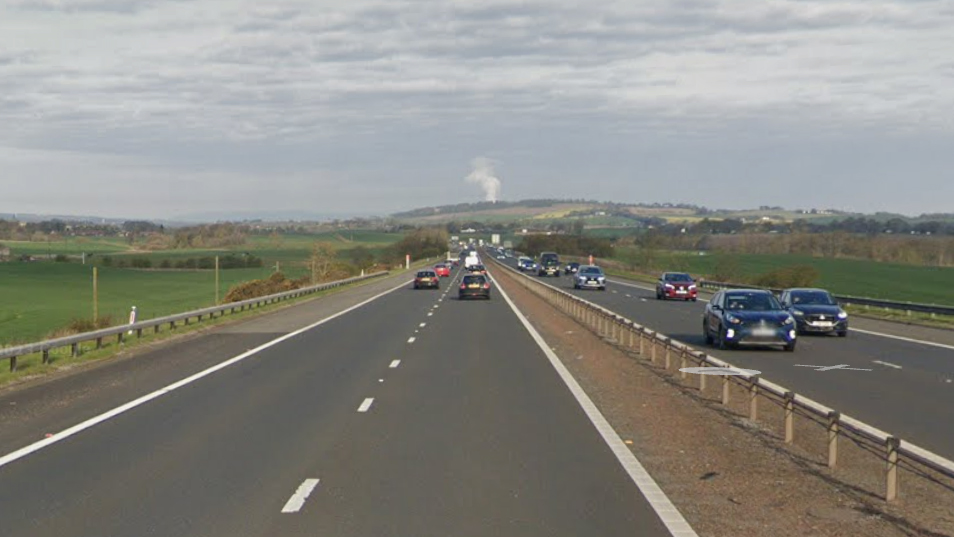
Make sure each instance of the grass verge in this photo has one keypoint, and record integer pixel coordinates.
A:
(31, 367)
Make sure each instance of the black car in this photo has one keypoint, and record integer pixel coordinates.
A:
(571, 268)
(549, 264)
(815, 310)
(735, 317)
(474, 286)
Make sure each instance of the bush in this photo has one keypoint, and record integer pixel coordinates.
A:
(276, 283)
(165, 264)
(78, 326)
(61, 258)
(107, 261)
(140, 262)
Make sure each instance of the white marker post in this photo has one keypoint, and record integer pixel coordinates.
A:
(132, 317)
(407, 261)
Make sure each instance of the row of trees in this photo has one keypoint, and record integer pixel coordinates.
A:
(566, 244)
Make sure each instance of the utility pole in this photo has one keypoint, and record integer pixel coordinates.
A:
(95, 296)
(216, 280)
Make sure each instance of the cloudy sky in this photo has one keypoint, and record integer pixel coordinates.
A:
(157, 109)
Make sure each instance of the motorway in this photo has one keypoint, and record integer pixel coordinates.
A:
(908, 391)
(413, 414)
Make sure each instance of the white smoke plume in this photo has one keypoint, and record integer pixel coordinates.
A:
(483, 175)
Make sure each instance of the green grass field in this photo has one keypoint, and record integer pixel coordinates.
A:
(41, 297)
(933, 285)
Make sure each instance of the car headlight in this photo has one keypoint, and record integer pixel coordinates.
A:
(601, 278)
(842, 315)
(733, 319)
(691, 287)
(669, 286)
(799, 312)
(788, 320)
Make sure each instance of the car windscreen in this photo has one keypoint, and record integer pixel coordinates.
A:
(812, 298)
(474, 279)
(751, 302)
(677, 277)
(426, 274)
(591, 271)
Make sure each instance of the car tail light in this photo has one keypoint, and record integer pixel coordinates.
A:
(462, 286)
(486, 286)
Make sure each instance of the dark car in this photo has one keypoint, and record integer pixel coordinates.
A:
(549, 264)
(590, 277)
(477, 269)
(571, 268)
(427, 279)
(815, 310)
(676, 285)
(526, 264)
(474, 286)
(735, 317)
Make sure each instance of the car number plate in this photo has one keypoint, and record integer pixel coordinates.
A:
(681, 291)
(473, 286)
(826, 324)
(763, 332)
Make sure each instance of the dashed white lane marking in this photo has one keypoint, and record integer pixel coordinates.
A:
(667, 512)
(394, 364)
(366, 404)
(629, 295)
(110, 414)
(429, 314)
(886, 364)
(297, 500)
(411, 339)
(422, 325)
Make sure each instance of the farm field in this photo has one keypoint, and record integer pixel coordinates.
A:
(931, 285)
(41, 297)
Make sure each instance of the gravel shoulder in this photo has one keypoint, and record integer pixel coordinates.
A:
(730, 476)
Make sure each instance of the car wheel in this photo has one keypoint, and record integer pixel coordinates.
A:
(790, 346)
(723, 343)
(706, 334)
(843, 333)
(694, 300)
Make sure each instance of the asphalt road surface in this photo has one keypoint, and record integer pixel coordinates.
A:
(909, 391)
(414, 414)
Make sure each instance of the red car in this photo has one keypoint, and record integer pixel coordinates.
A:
(442, 270)
(676, 285)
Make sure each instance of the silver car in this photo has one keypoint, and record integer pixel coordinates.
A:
(589, 277)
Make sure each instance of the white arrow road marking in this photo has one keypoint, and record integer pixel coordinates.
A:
(394, 364)
(830, 367)
(887, 364)
(297, 499)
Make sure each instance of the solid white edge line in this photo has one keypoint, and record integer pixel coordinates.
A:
(887, 364)
(902, 338)
(394, 364)
(80, 427)
(657, 499)
(297, 500)
(366, 404)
